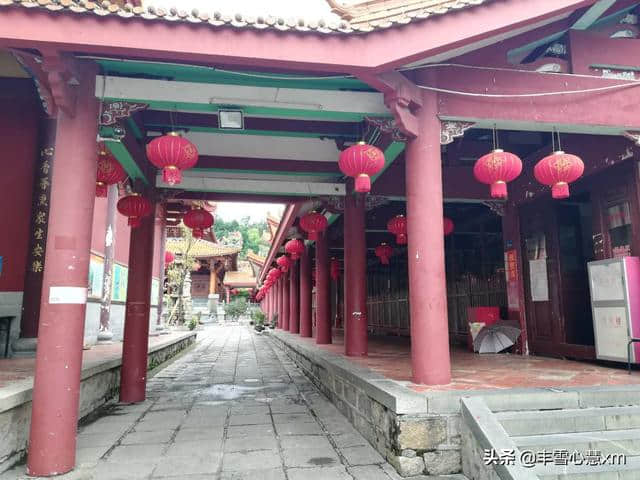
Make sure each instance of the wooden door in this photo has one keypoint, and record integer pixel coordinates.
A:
(540, 277)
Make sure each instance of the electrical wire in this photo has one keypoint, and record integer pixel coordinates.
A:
(529, 95)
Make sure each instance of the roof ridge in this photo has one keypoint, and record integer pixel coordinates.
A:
(238, 20)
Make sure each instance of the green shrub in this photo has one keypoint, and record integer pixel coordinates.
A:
(236, 308)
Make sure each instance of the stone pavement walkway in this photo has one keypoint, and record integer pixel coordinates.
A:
(233, 407)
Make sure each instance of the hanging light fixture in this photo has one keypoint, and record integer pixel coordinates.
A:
(134, 207)
(284, 263)
(398, 226)
(384, 252)
(449, 226)
(198, 220)
(497, 168)
(360, 161)
(172, 153)
(558, 170)
(313, 223)
(109, 172)
(295, 248)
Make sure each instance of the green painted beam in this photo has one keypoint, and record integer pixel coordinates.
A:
(261, 111)
(390, 154)
(202, 74)
(121, 153)
(268, 133)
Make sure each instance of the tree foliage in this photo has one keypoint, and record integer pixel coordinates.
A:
(251, 233)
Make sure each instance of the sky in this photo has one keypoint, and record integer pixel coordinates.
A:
(229, 211)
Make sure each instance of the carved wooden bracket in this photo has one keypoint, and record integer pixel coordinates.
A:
(403, 98)
(496, 206)
(388, 126)
(56, 79)
(112, 112)
(62, 74)
(33, 65)
(451, 129)
(634, 136)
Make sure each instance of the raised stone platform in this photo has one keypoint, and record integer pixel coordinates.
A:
(100, 384)
(424, 432)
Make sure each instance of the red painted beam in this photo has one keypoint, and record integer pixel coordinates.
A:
(591, 48)
(381, 50)
(615, 109)
(288, 217)
(458, 183)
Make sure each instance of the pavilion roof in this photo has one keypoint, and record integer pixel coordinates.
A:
(201, 248)
(239, 278)
(339, 16)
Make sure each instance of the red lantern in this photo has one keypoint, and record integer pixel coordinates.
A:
(384, 252)
(398, 226)
(109, 172)
(360, 161)
(449, 226)
(496, 169)
(313, 223)
(168, 257)
(558, 170)
(198, 220)
(172, 154)
(334, 269)
(134, 206)
(284, 263)
(295, 248)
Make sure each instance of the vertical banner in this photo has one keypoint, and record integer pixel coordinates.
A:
(511, 271)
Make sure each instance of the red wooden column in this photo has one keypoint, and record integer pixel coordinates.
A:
(305, 294)
(285, 301)
(280, 294)
(294, 310)
(323, 291)
(355, 278)
(56, 390)
(133, 378)
(427, 285)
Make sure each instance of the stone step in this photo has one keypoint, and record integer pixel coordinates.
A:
(536, 422)
(628, 471)
(626, 442)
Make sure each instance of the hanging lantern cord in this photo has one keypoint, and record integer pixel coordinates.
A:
(559, 145)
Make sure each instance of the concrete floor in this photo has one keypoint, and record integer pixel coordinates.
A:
(391, 357)
(230, 408)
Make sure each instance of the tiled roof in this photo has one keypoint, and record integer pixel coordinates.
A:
(201, 248)
(358, 17)
(255, 258)
(239, 279)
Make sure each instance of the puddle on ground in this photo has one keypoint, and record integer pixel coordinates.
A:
(227, 392)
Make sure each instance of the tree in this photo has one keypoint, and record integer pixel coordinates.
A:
(251, 233)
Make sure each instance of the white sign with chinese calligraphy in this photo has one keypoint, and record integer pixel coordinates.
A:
(538, 280)
(611, 329)
(68, 295)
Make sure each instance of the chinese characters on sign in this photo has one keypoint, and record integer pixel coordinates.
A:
(41, 211)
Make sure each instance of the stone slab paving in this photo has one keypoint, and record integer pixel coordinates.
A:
(232, 408)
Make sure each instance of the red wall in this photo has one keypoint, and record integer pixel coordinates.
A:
(19, 121)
